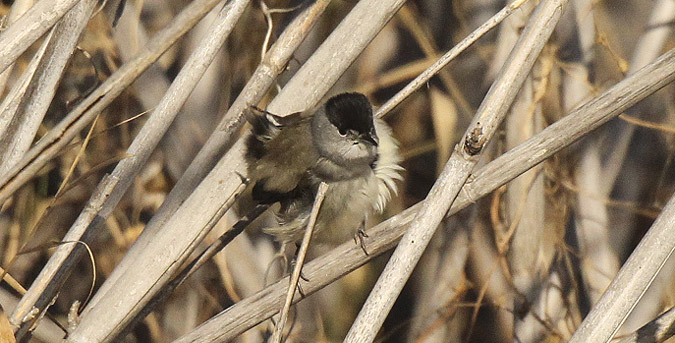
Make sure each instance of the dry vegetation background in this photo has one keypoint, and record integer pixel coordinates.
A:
(524, 263)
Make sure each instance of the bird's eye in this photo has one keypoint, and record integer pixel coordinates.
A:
(342, 132)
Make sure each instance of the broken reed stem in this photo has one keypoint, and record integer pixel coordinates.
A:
(26, 111)
(29, 28)
(262, 79)
(204, 257)
(466, 155)
(632, 281)
(50, 145)
(182, 228)
(430, 72)
(345, 258)
(299, 262)
(18, 8)
(60, 265)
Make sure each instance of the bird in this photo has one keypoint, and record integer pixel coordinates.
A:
(339, 143)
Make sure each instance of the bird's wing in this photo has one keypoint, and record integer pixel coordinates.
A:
(267, 125)
(279, 154)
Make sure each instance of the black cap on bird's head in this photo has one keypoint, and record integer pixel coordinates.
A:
(352, 114)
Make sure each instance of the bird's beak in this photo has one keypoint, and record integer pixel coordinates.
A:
(371, 138)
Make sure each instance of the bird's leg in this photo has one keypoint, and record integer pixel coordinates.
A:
(300, 290)
(360, 236)
(283, 264)
(297, 249)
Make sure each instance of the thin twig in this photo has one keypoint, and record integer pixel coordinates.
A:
(467, 153)
(341, 48)
(24, 335)
(423, 78)
(48, 330)
(182, 227)
(19, 7)
(204, 257)
(29, 27)
(299, 262)
(28, 315)
(29, 111)
(64, 259)
(10, 105)
(262, 79)
(153, 130)
(347, 257)
(631, 282)
(428, 46)
(594, 230)
(651, 43)
(225, 238)
(267, 12)
(58, 137)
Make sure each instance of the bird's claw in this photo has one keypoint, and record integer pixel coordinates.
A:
(359, 239)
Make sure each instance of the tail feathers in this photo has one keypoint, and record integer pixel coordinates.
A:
(265, 124)
(291, 231)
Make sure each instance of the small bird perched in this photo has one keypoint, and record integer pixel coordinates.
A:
(340, 144)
